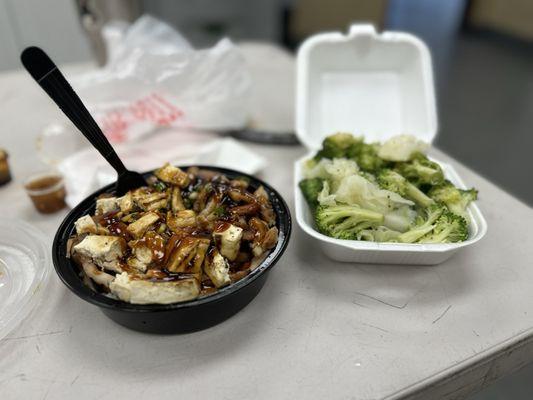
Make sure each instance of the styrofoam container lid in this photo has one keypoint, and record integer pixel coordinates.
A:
(24, 271)
(374, 84)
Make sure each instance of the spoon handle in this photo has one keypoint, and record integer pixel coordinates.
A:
(50, 78)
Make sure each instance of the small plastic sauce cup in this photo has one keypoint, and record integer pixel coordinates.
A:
(5, 174)
(47, 191)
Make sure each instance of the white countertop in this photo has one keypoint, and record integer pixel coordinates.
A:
(318, 329)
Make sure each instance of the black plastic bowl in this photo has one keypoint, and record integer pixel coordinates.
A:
(178, 317)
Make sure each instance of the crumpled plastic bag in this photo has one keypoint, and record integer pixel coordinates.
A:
(85, 171)
(154, 78)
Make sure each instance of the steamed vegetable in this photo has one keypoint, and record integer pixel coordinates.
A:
(455, 199)
(401, 148)
(337, 146)
(344, 222)
(390, 192)
(421, 171)
(311, 188)
(344, 145)
(393, 181)
(449, 228)
(424, 224)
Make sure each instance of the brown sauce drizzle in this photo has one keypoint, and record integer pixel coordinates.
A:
(163, 242)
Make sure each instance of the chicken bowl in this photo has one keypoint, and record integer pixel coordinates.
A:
(177, 256)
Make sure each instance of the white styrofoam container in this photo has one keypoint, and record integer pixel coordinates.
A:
(379, 86)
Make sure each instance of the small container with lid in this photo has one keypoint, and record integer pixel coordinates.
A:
(5, 173)
(47, 191)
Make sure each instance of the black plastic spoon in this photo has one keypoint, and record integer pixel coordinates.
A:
(50, 78)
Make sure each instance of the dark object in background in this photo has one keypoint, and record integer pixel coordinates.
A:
(178, 317)
(5, 173)
(250, 135)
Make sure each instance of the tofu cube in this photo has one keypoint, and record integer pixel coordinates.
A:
(105, 251)
(217, 270)
(139, 227)
(107, 205)
(171, 174)
(85, 224)
(137, 291)
(229, 241)
(125, 203)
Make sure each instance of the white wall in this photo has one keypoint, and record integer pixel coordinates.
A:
(51, 24)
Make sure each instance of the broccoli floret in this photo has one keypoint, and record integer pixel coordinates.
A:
(366, 156)
(337, 146)
(423, 224)
(344, 222)
(393, 181)
(455, 199)
(311, 189)
(449, 228)
(421, 171)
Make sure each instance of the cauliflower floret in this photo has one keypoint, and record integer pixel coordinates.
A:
(333, 171)
(401, 148)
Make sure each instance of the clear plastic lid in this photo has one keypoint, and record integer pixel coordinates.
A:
(24, 271)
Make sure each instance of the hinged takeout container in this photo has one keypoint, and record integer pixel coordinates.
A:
(378, 85)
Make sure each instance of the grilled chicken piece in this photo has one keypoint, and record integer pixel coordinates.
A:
(106, 205)
(240, 195)
(239, 183)
(139, 227)
(157, 205)
(191, 263)
(244, 209)
(265, 238)
(202, 196)
(210, 207)
(257, 260)
(267, 213)
(104, 251)
(229, 241)
(199, 257)
(181, 219)
(95, 274)
(138, 291)
(85, 224)
(182, 254)
(217, 269)
(171, 174)
(149, 201)
(261, 195)
(176, 200)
